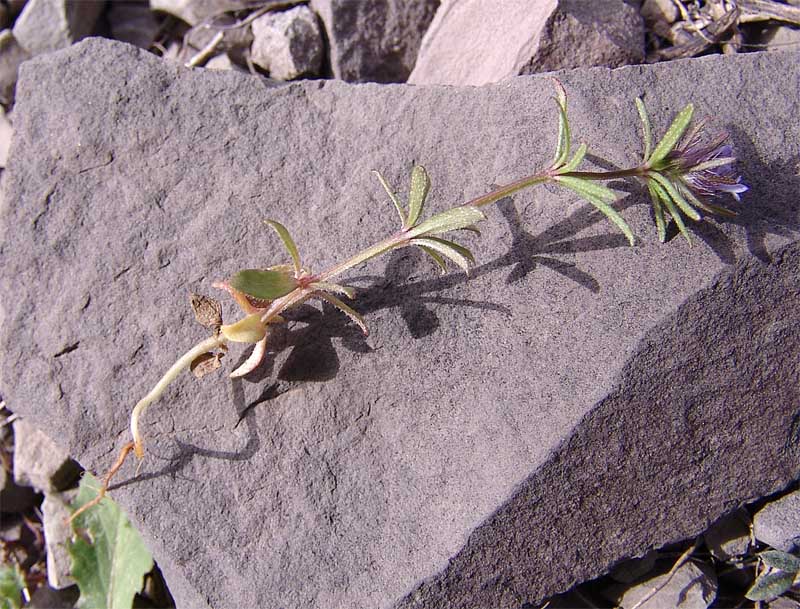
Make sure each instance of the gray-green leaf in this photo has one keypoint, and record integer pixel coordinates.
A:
(455, 252)
(672, 136)
(283, 233)
(263, 284)
(770, 586)
(599, 196)
(781, 560)
(420, 185)
(109, 569)
(393, 197)
(647, 132)
(452, 219)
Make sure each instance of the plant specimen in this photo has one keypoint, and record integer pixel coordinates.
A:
(684, 173)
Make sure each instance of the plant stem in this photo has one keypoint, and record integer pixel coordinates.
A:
(179, 366)
(634, 172)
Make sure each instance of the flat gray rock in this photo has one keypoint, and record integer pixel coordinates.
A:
(374, 40)
(472, 42)
(493, 440)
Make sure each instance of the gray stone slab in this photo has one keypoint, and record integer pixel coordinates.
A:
(493, 440)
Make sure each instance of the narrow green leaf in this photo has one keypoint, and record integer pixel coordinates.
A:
(436, 258)
(575, 161)
(676, 196)
(673, 211)
(283, 233)
(335, 288)
(12, 583)
(600, 197)
(263, 284)
(420, 185)
(452, 219)
(393, 197)
(781, 560)
(580, 185)
(770, 586)
(713, 209)
(647, 133)
(350, 312)
(672, 136)
(110, 570)
(455, 252)
(658, 212)
(562, 148)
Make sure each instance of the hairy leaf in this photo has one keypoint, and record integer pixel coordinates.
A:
(676, 196)
(12, 584)
(658, 212)
(563, 138)
(397, 205)
(110, 565)
(283, 233)
(263, 284)
(575, 160)
(436, 258)
(600, 197)
(455, 252)
(770, 586)
(673, 211)
(781, 560)
(349, 311)
(334, 288)
(672, 136)
(452, 219)
(647, 132)
(420, 185)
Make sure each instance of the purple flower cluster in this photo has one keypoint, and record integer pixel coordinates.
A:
(706, 169)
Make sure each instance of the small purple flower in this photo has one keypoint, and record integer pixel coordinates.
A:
(704, 169)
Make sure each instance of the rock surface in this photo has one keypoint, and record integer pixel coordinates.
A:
(729, 537)
(288, 44)
(374, 40)
(461, 48)
(493, 440)
(778, 523)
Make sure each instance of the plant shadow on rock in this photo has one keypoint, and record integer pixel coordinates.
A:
(703, 418)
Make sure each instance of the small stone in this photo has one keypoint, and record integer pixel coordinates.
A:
(11, 55)
(665, 11)
(133, 22)
(460, 45)
(692, 586)
(729, 536)
(374, 40)
(287, 44)
(783, 37)
(777, 524)
(39, 462)
(6, 131)
(46, 597)
(195, 11)
(631, 570)
(49, 25)
(57, 532)
(220, 62)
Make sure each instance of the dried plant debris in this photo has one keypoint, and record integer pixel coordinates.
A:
(679, 28)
